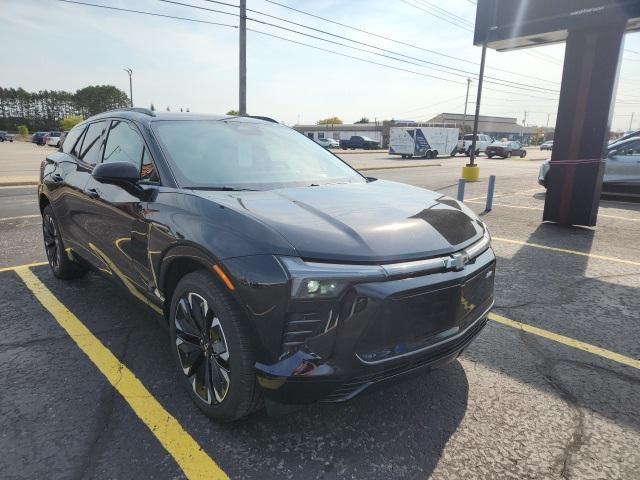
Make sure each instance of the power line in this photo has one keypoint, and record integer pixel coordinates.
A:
(493, 80)
(399, 42)
(175, 17)
(455, 17)
(437, 15)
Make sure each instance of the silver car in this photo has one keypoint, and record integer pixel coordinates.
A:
(622, 170)
(328, 142)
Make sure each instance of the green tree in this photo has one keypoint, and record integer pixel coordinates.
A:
(100, 98)
(233, 112)
(330, 121)
(23, 131)
(70, 121)
(363, 120)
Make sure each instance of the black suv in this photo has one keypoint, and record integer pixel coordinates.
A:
(283, 273)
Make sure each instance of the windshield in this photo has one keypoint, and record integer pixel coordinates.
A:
(247, 155)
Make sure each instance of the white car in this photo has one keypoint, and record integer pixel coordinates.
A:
(482, 142)
(53, 139)
(328, 142)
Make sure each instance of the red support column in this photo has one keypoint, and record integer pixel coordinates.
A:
(589, 81)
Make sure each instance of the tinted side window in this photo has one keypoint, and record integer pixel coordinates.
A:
(630, 148)
(91, 143)
(71, 138)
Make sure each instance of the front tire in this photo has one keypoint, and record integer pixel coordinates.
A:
(508, 155)
(61, 265)
(212, 349)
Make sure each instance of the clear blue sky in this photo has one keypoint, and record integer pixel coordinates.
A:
(51, 45)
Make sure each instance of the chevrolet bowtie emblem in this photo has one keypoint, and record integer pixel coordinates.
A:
(457, 261)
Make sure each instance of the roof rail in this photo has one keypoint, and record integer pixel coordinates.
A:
(266, 119)
(146, 111)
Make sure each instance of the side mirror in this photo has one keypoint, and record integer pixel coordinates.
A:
(116, 171)
(612, 153)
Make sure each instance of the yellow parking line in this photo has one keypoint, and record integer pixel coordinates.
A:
(568, 341)
(190, 457)
(18, 267)
(564, 250)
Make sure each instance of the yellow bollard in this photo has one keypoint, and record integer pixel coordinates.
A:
(471, 173)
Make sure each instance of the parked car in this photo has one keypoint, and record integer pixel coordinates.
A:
(327, 142)
(53, 139)
(282, 273)
(6, 136)
(38, 138)
(622, 167)
(359, 141)
(482, 142)
(547, 145)
(505, 150)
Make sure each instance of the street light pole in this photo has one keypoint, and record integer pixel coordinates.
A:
(243, 57)
(130, 72)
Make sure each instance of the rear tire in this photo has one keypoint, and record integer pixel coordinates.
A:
(523, 154)
(212, 349)
(61, 265)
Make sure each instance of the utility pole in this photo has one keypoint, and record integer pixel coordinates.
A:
(478, 98)
(548, 117)
(524, 125)
(631, 121)
(130, 72)
(464, 119)
(243, 57)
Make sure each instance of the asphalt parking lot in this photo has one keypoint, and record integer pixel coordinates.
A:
(550, 388)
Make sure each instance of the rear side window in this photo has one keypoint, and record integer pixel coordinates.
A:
(91, 143)
(72, 138)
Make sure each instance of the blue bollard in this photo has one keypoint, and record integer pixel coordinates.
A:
(490, 189)
(461, 184)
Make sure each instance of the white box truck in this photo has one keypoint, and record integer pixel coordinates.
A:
(427, 142)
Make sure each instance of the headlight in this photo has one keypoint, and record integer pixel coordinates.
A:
(326, 280)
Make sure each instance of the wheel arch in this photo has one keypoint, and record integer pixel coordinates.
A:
(43, 201)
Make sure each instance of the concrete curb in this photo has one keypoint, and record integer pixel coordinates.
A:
(19, 183)
(391, 167)
(357, 152)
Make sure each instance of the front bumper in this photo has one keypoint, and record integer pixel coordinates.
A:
(386, 331)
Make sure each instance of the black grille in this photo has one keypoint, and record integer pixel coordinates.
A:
(355, 385)
(299, 327)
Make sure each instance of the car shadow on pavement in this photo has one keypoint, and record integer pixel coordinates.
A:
(397, 432)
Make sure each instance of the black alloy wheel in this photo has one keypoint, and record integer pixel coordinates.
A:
(211, 347)
(52, 244)
(61, 265)
(202, 348)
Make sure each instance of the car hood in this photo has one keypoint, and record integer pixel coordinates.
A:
(379, 221)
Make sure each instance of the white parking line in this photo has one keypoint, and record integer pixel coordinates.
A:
(6, 219)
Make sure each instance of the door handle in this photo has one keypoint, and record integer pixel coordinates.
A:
(92, 192)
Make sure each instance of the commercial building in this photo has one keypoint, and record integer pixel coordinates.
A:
(496, 127)
(342, 131)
